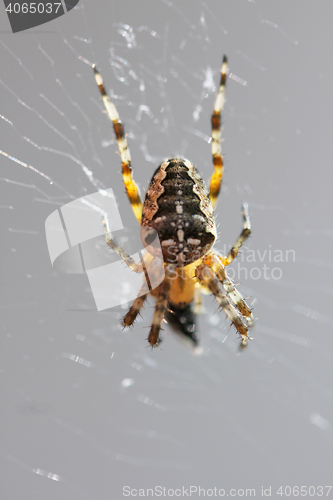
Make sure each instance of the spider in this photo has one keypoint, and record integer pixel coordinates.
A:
(180, 209)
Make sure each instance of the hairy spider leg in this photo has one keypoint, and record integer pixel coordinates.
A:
(241, 239)
(131, 187)
(153, 268)
(129, 261)
(216, 178)
(160, 307)
(214, 261)
(207, 277)
(135, 308)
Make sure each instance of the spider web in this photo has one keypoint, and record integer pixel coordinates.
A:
(89, 407)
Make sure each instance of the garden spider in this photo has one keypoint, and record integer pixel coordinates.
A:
(180, 209)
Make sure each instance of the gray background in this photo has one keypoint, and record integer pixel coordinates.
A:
(91, 404)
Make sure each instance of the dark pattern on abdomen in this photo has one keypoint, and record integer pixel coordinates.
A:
(178, 186)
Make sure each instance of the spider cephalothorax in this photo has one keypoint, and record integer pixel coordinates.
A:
(179, 209)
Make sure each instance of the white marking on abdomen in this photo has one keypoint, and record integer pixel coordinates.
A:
(180, 235)
(167, 243)
(193, 241)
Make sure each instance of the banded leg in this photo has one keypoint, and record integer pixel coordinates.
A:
(130, 185)
(138, 268)
(135, 308)
(216, 178)
(160, 309)
(241, 239)
(230, 288)
(207, 276)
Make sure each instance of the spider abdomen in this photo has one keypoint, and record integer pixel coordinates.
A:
(178, 208)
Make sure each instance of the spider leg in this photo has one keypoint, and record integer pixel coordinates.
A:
(206, 275)
(129, 261)
(241, 239)
(130, 185)
(160, 308)
(154, 275)
(135, 308)
(197, 301)
(216, 178)
(230, 288)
